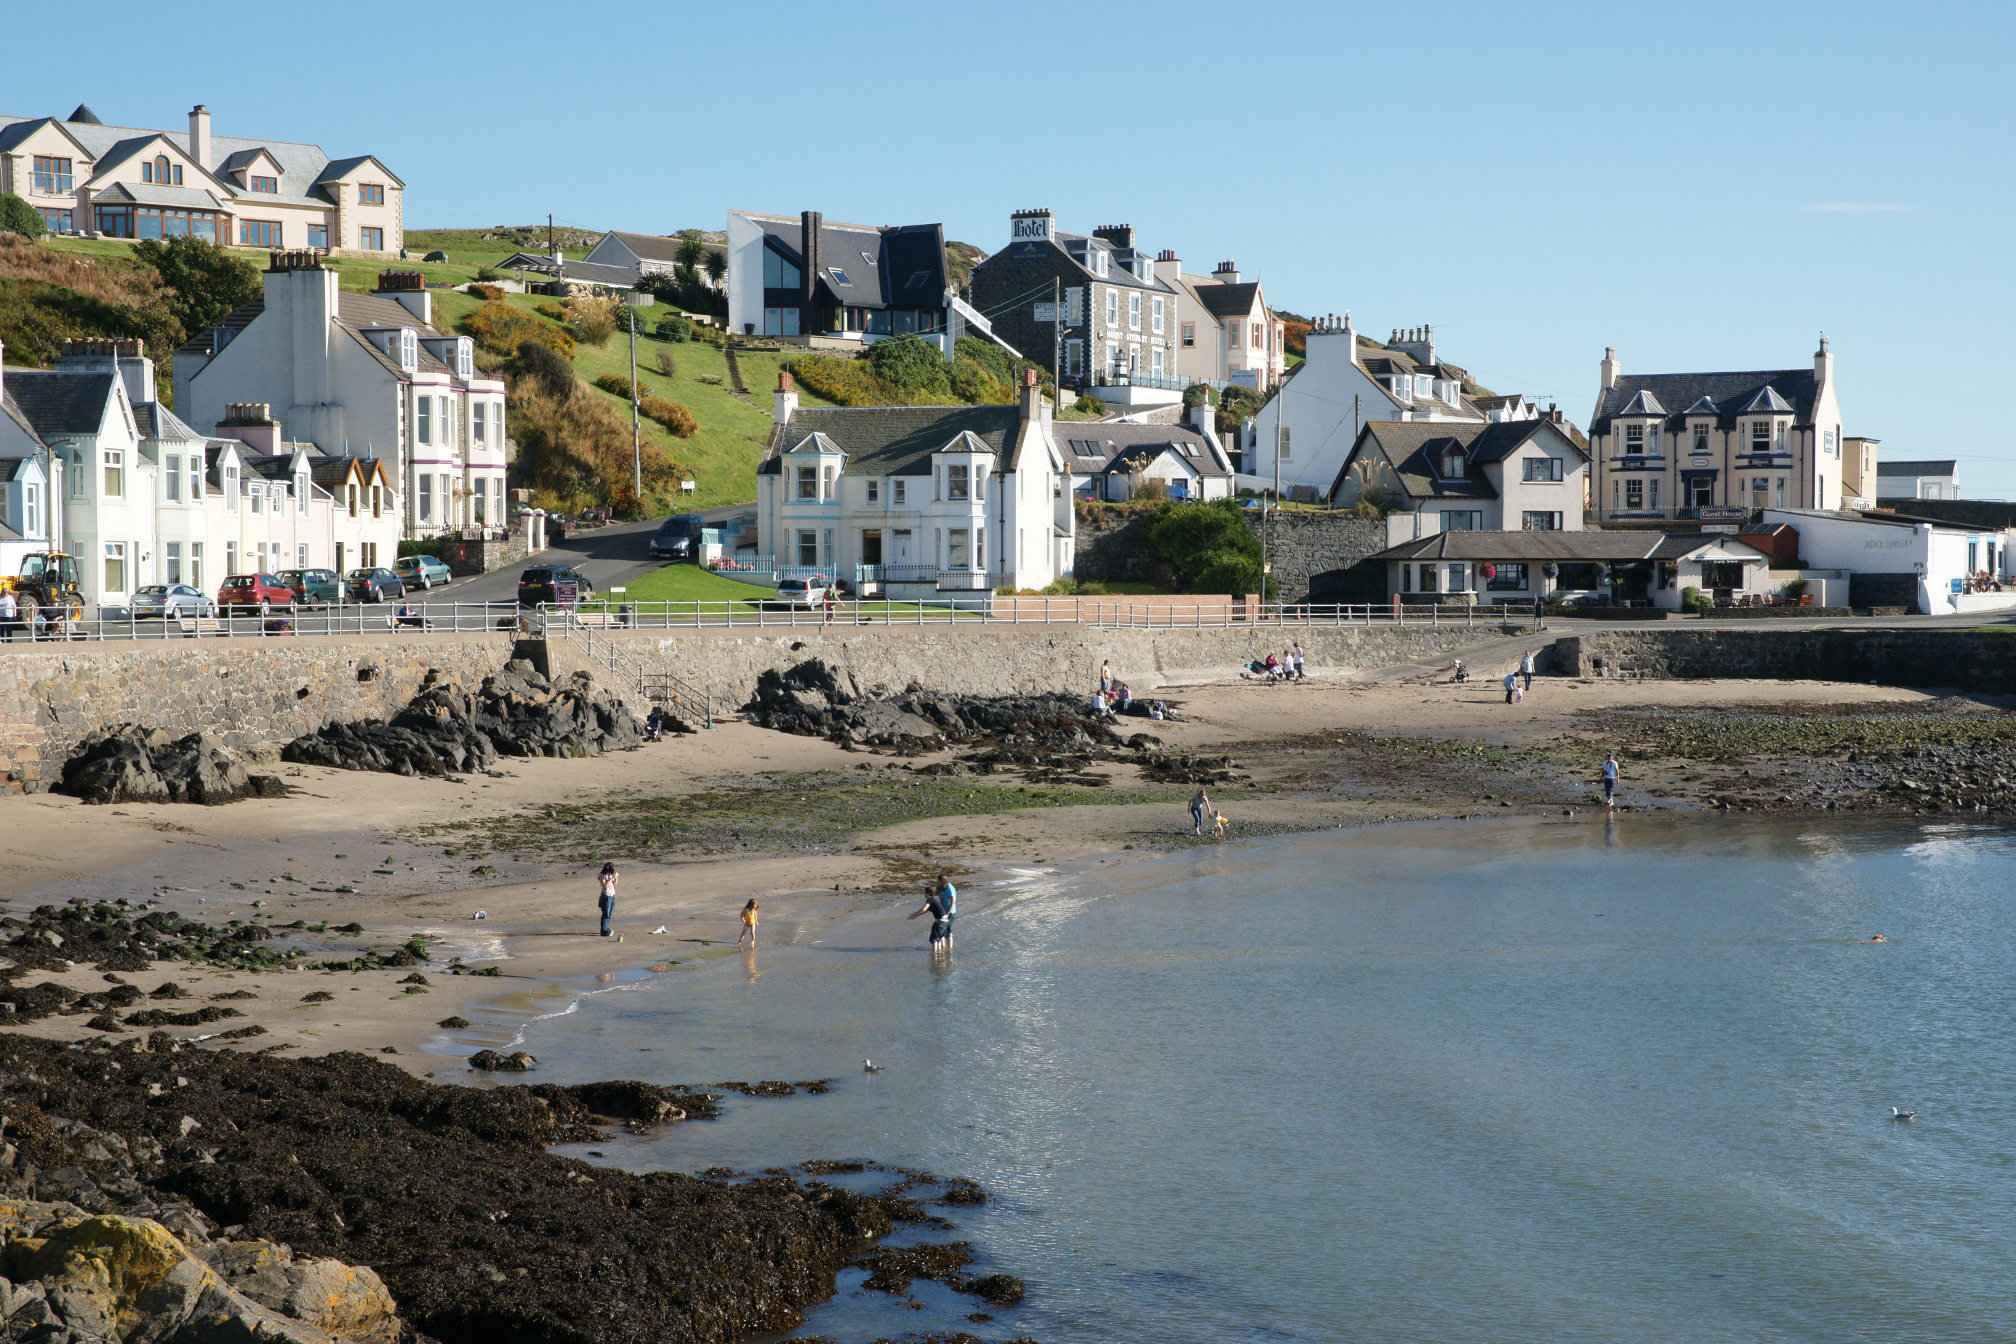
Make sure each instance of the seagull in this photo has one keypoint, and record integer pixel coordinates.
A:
(661, 929)
(870, 1066)
(481, 914)
(1897, 1114)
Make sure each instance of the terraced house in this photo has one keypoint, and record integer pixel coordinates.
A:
(88, 178)
(362, 375)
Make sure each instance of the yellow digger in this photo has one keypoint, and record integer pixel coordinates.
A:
(46, 589)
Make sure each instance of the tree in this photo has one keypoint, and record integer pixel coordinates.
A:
(910, 363)
(692, 252)
(717, 266)
(17, 216)
(1209, 546)
(204, 281)
(678, 327)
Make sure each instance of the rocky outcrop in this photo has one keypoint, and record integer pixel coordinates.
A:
(129, 763)
(810, 699)
(447, 730)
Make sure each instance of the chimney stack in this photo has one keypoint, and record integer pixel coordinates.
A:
(1227, 273)
(1035, 406)
(1610, 369)
(785, 405)
(199, 136)
(408, 289)
(808, 252)
(1119, 235)
(1026, 226)
(1823, 362)
(252, 424)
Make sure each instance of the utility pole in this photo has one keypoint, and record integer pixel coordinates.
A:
(1266, 516)
(550, 249)
(636, 429)
(1057, 336)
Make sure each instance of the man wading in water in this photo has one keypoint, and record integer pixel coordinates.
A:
(941, 902)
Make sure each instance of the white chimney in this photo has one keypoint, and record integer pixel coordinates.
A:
(1823, 363)
(199, 136)
(1610, 369)
(1227, 273)
(1035, 406)
(786, 403)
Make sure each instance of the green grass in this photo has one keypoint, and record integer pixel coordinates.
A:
(690, 583)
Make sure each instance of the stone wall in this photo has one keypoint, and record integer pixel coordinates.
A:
(1957, 659)
(1318, 555)
(467, 556)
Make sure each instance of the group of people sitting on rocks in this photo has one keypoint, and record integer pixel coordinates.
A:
(1114, 697)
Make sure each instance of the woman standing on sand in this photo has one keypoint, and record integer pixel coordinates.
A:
(749, 918)
(606, 881)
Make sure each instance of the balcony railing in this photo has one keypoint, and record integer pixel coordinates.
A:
(55, 184)
(1127, 378)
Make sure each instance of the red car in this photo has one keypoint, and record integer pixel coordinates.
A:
(262, 592)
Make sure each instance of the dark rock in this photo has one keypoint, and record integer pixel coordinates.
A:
(131, 764)
(490, 1061)
(452, 1023)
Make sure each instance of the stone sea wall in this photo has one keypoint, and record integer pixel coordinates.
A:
(1958, 659)
(1317, 555)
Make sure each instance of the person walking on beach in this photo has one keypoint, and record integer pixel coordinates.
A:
(941, 902)
(1200, 806)
(1610, 780)
(1526, 668)
(606, 881)
(750, 916)
(1295, 657)
(1105, 676)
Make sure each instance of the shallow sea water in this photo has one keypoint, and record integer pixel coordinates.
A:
(1577, 1082)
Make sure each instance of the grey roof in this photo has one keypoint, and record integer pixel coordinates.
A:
(1416, 449)
(355, 313)
(656, 247)
(64, 402)
(158, 422)
(1937, 466)
(899, 440)
(302, 166)
(1568, 546)
(595, 273)
(7, 532)
(1110, 443)
(1222, 300)
(1767, 400)
(25, 439)
(1796, 389)
(1642, 403)
(907, 269)
(1076, 248)
(1703, 406)
(147, 193)
(85, 115)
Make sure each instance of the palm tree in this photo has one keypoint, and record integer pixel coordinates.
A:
(717, 267)
(691, 251)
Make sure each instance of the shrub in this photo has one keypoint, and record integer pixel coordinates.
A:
(667, 364)
(1208, 545)
(1691, 599)
(1149, 490)
(501, 329)
(204, 280)
(1087, 404)
(591, 319)
(1199, 394)
(1795, 587)
(486, 292)
(973, 384)
(630, 317)
(909, 363)
(17, 216)
(676, 418)
(489, 273)
(617, 385)
(550, 310)
(542, 365)
(677, 327)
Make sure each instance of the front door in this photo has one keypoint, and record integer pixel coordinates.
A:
(899, 549)
(1700, 492)
(871, 546)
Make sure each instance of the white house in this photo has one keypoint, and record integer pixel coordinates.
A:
(1344, 385)
(25, 465)
(1920, 479)
(1640, 568)
(1895, 560)
(85, 177)
(1667, 445)
(1451, 476)
(364, 375)
(926, 499)
(644, 254)
(1225, 332)
(1112, 462)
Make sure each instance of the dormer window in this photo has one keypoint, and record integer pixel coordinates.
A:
(808, 482)
(1634, 439)
(465, 358)
(1098, 258)
(268, 185)
(408, 348)
(1453, 464)
(1700, 438)
(161, 172)
(1760, 436)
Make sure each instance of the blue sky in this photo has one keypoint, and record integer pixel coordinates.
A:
(1703, 186)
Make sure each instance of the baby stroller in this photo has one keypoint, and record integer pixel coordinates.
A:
(654, 725)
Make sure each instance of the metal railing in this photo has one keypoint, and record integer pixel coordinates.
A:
(591, 625)
(627, 665)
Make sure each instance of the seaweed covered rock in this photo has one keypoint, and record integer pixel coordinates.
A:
(809, 699)
(129, 763)
(447, 730)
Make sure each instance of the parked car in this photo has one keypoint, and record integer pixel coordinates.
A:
(374, 585)
(312, 587)
(801, 592)
(678, 538)
(556, 585)
(262, 592)
(170, 599)
(421, 571)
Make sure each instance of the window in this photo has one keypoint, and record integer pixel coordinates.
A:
(258, 497)
(896, 492)
(1112, 307)
(1634, 438)
(1454, 464)
(195, 478)
(1462, 520)
(1510, 578)
(53, 176)
(171, 561)
(1155, 361)
(148, 221)
(1760, 436)
(1074, 358)
(1652, 494)
(1700, 438)
(259, 232)
(370, 193)
(1259, 342)
(1778, 492)
(1721, 573)
(1543, 468)
(1533, 520)
(780, 272)
(1134, 312)
(426, 503)
(1189, 335)
(839, 275)
(1760, 492)
(196, 565)
(301, 495)
(956, 481)
(377, 507)
(300, 555)
(268, 185)
(808, 547)
(423, 424)
(874, 490)
(1652, 440)
(479, 501)
(115, 473)
(957, 552)
(371, 240)
(479, 417)
(57, 221)
(808, 482)
(31, 510)
(1231, 333)
(407, 349)
(161, 172)
(1156, 319)
(172, 477)
(318, 236)
(780, 321)
(115, 567)
(1634, 493)
(368, 551)
(1429, 580)
(1284, 438)
(350, 498)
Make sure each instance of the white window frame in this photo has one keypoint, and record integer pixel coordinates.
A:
(114, 468)
(874, 490)
(231, 484)
(171, 561)
(115, 554)
(479, 412)
(424, 497)
(896, 490)
(1156, 314)
(1112, 307)
(423, 419)
(1134, 311)
(171, 477)
(1189, 335)
(807, 477)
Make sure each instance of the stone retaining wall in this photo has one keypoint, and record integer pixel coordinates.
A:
(1957, 659)
(1318, 555)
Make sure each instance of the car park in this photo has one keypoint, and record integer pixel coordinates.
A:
(312, 587)
(421, 571)
(374, 585)
(553, 585)
(260, 592)
(678, 538)
(170, 599)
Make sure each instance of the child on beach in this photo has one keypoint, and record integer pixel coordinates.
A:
(606, 882)
(1218, 829)
(1610, 780)
(941, 902)
(749, 920)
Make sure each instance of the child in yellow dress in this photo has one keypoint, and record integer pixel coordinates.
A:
(749, 918)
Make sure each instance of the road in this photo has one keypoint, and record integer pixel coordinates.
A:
(607, 555)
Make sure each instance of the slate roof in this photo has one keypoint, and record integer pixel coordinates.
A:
(656, 247)
(1222, 300)
(84, 115)
(1568, 546)
(147, 193)
(61, 403)
(899, 440)
(1797, 389)
(907, 270)
(355, 313)
(1416, 449)
(1936, 466)
(1112, 442)
(25, 439)
(156, 421)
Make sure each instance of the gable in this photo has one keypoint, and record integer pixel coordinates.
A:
(44, 135)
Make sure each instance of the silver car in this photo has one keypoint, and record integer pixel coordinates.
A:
(170, 599)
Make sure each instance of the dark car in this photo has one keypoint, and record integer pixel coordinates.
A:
(261, 592)
(374, 585)
(312, 587)
(678, 538)
(553, 585)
